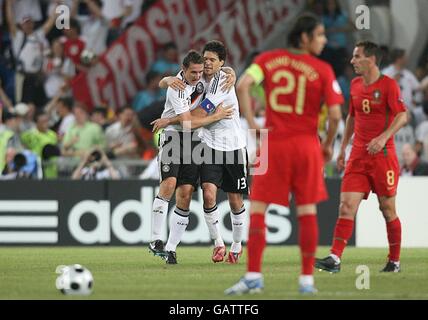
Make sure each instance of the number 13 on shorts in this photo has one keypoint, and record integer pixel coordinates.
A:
(241, 183)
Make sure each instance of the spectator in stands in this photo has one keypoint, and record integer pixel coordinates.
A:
(95, 166)
(57, 69)
(134, 12)
(20, 165)
(9, 135)
(406, 135)
(64, 108)
(337, 25)
(25, 113)
(38, 138)
(99, 116)
(421, 133)
(5, 102)
(27, 8)
(83, 135)
(28, 49)
(150, 93)
(412, 164)
(117, 13)
(74, 45)
(409, 84)
(94, 26)
(121, 139)
(167, 64)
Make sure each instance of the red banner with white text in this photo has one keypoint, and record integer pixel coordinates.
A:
(242, 26)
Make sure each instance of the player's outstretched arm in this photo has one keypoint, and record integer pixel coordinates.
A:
(173, 82)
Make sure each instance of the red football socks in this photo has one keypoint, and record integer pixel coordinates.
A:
(308, 240)
(393, 229)
(342, 233)
(256, 242)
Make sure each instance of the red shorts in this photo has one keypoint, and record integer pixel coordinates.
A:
(295, 165)
(378, 173)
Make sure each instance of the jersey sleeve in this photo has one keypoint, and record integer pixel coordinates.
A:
(395, 101)
(178, 100)
(332, 92)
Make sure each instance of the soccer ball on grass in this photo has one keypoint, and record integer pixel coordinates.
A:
(74, 280)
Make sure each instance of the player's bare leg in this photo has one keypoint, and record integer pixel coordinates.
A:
(252, 282)
(179, 221)
(349, 203)
(237, 216)
(159, 213)
(393, 227)
(212, 216)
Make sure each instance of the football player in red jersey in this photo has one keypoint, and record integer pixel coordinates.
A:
(296, 83)
(376, 113)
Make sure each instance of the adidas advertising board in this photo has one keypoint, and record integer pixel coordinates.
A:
(119, 213)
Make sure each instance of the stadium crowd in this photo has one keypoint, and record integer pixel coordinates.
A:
(46, 133)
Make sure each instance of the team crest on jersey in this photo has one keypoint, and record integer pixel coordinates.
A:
(166, 168)
(376, 95)
(199, 87)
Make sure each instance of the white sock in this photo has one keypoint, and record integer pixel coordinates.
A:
(306, 280)
(238, 220)
(212, 217)
(335, 258)
(159, 213)
(179, 222)
(253, 275)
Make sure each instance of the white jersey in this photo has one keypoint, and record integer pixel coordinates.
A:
(226, 134)
(178, 102)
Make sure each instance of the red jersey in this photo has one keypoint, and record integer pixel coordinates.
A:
(296, 85)
(374, 108)
(73, 49)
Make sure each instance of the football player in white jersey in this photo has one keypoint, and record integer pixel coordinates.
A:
(175, 169)
(224, 155)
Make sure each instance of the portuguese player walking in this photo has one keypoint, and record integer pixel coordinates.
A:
(376, 113)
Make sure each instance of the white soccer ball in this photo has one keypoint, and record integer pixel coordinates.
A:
(74, 280)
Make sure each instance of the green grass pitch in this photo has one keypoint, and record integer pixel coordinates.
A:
(133, 273)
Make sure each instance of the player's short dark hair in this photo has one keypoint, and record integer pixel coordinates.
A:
(306, 23)
(371, 49)
(216, 47)
(194, 57)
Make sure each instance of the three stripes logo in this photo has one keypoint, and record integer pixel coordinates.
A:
(29, 221)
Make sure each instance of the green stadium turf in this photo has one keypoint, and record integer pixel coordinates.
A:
(133, 273)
